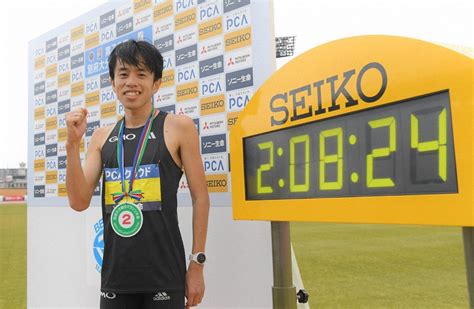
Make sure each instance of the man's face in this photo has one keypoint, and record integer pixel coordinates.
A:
(134, 86)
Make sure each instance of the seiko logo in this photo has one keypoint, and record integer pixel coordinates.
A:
(302, 108)
(217, 183)
(189, 91)
(238, 40)
(207, 30)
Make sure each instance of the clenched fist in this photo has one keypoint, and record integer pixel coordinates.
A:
(76, 123)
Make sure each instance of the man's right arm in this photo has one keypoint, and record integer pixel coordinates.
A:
(81, 181)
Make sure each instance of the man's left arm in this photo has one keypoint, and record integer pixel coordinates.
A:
(193, 167)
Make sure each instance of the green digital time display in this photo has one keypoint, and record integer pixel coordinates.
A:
(397, 149)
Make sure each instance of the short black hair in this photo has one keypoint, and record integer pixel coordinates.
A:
(137, 53)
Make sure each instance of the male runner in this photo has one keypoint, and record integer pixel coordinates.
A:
(141, 160)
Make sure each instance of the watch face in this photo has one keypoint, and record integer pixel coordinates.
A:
(201, 258)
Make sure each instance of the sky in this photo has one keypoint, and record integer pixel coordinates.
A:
(312, 22)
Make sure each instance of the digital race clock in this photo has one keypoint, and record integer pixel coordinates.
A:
(375, 129)
(402, 148)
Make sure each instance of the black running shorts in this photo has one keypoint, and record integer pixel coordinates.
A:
(159, 300)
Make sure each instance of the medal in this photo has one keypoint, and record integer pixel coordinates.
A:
(126, 217)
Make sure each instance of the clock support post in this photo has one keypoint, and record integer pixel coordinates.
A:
(468, 238)
(283, 290)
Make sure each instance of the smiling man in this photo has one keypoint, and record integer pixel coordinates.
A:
(141, 160)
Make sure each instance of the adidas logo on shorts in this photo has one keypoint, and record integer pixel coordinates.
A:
(161, 296)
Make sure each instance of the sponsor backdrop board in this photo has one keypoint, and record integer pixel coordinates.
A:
(211, 71)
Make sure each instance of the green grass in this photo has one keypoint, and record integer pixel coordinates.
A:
(381, 266)
(13, 256)
(342, 265)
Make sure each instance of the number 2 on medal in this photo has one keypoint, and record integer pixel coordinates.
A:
(126, 219)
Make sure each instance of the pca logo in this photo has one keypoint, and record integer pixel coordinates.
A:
(98, 246)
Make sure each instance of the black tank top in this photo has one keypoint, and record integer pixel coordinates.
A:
(152, 260)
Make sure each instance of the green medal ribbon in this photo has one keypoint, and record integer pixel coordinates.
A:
(134, 194)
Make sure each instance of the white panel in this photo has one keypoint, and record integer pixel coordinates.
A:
(62, 268)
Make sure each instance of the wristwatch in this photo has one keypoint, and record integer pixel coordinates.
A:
(199, 258)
